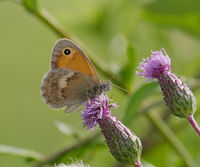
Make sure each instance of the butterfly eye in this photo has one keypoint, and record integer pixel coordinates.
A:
(67, 51)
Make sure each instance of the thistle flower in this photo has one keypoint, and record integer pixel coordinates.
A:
(155, 65)
(178, 97)
(95, 110)
(124, 145)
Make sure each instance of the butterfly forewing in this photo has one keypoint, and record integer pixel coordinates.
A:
(76, 59)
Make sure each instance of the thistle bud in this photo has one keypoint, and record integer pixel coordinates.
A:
(124, 145)
(178, 97)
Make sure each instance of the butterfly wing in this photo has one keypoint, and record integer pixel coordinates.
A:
(64, 87)
(66, 54)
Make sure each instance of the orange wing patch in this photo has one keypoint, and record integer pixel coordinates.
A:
(76, 60)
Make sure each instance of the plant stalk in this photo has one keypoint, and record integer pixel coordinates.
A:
(194, 124)
(171, 138)
(138, 164)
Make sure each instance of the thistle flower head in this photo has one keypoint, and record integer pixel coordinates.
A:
(124, 145)
(153, 66)
(178, 97)
(95, 110)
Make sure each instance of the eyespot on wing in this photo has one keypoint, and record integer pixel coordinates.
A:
(67, 54)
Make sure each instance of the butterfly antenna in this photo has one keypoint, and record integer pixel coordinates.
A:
(121, 89)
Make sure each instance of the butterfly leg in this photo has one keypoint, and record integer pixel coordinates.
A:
(79, 110)
(71, 107)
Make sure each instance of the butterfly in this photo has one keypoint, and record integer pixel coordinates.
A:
(72, 79)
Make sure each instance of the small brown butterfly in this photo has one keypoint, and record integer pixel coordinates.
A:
(72, 79)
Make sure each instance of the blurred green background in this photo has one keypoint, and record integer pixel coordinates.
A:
(105, 27)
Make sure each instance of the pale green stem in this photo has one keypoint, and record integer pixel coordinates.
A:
(171, 138)
(20, 152)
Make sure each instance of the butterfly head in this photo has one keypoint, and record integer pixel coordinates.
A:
(105, 86)
(98, 89)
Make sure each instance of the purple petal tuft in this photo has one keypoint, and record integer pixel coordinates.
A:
(95, 110)
(153, 66)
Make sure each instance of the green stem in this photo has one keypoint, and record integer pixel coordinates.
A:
(171, 138)
(52, 23)
(20, 152)
(194, 124)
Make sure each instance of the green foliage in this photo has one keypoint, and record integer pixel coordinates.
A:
(127, 72)
(186, 18)
(132, 108)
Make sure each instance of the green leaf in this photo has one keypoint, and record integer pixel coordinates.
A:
(135, 100)
(127, 72)
(31, 5)
(20, 152)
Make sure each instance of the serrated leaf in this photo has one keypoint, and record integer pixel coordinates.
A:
(20, 152)
(127, 72)
(135, 100)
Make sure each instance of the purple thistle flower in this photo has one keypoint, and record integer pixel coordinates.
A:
(155, 65)
(124, 145)
(95, 110)
(178, 97)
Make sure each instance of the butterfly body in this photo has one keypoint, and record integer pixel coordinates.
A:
(72, 79)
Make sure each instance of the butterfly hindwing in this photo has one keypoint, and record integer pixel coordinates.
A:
(65, 87)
